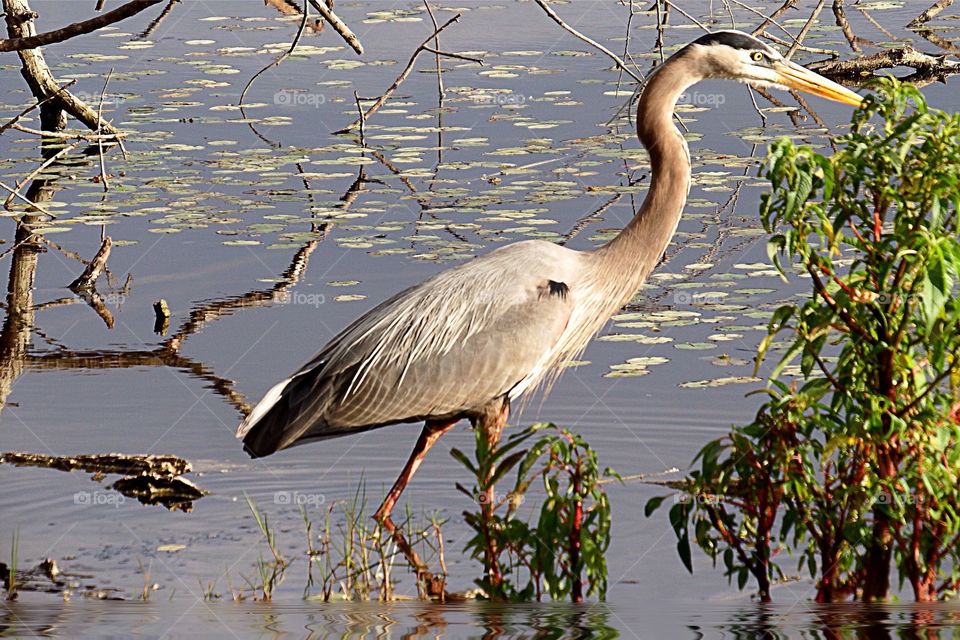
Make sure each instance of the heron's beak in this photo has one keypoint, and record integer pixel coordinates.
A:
(800, 78)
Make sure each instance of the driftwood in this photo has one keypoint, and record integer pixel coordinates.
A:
(904, 56)
(159, 466)
(151, 479)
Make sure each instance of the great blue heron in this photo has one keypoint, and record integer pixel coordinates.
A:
(468, 341)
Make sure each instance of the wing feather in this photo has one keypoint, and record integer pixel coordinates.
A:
(442, 348)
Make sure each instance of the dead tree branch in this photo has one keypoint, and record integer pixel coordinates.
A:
(806, 28)
(772, 18)
(88, 278)
(49, 161)
(905, 56)
(20, 24)
(132, 8)
(35, 105)
(854, 40)
(929, 14)
(338, 25)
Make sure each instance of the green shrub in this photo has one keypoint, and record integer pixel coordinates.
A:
(852, 468)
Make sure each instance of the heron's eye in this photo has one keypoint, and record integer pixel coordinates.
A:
(756, 56)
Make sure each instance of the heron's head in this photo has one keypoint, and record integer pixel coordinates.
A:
(735, 55)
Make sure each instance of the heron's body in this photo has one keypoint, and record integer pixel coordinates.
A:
(468, 341)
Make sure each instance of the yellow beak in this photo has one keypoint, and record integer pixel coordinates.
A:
(802, 79)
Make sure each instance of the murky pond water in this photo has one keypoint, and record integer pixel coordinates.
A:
(215, 211)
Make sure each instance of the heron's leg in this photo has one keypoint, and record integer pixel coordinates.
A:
(428, 437)
(491, 423)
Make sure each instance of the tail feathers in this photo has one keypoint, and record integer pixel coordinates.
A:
(279, 420)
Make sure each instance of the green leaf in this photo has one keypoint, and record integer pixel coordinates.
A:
(652, 505)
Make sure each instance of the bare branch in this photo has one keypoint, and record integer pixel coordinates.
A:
(338, 25)
(77, 28)
(905, 56)
(380, 101)
(86, 280)
(806, 28)
(593, 43)
(35, 105)
(930, 13)
(49, 161)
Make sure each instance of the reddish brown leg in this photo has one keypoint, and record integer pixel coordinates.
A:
(428, 437)
(491, 423)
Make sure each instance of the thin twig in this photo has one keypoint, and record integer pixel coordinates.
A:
(686, 15)
(103, 167)
(772, 18)
(62, 135)
(283, 56)
(381, 100)
(806, 28)
(458, 56)
(363, 120)
(783, 43)
(593, 43)
(436, 44)
(67, 149)
(14, 193)
(35, 105)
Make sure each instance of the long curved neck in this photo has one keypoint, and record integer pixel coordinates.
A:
(635, 251)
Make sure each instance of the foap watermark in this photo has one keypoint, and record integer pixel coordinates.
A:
(685, 297)
(698, 99)
(299, 499)
(516, 499)
(298, 297)
(98, 498)
(299, 99)
(700, 498)
(93, 97)
(500, 99)
(114, 299)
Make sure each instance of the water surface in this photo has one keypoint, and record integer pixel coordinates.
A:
(213, 206)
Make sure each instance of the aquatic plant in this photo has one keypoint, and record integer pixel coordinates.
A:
(270, 572)
(564, 553)
(852, 467)
(10, 580)
(351, 556)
